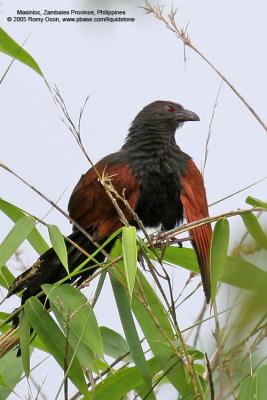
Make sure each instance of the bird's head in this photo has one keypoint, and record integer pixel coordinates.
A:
(163, 115)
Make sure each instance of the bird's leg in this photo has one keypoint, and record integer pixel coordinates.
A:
(180, 241)
(168, 241)
(164, 242)
(145, 261)
(156, 239)
(160, 242)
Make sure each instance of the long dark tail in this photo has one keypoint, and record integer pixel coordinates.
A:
(48, 268)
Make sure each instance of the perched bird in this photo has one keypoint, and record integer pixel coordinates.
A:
(160, 182)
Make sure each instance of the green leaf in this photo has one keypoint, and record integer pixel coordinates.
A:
(38, 344)
(51, 335)
(15, 214)
(11, 370)
(3, 383)
(237, 272)
(248, 389)
(59, 245)
(129, 253)
(3, 315)
(218, 254)
(244, 275)
(4, 327)
(118, 384)
(6, 277)
(25, 336)
(254, 228)
(183, 257)
(130, 330)
(156, 306)
(114, 344)
(200, 369)
(101, 365)
(195, 353)
(69, 304)
(16, 236)
(14, 50)
(159, 335)
(156, 337)
(116, 251)
(255, 386)
(99, 287)
(256, 202)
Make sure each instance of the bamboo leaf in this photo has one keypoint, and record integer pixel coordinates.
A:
(6, 277)
(182, 257)
(15, 214)
(120, 383)
(14, 239)
(70, 304)
(24, 335)
(4, 327)
(218, 254)
(255, 386)
(156, 337)
(237, 272)
(38, 344)
(254, 228)
(59, 245)
(129, 253)
(159, 335)
(4, 384)
(244, 275)
(11, 370)
(156, 306)
(114, 344)
(14, 50)
(130, 330)
(248, 389)
(256, 202)
(3, 316)
(99, 287)
(51, 335)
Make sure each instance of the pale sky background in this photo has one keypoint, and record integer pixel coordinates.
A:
(123, 67)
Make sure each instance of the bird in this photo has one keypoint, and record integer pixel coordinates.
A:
(161, 184)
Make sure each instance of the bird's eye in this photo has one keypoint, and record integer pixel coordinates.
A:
(170, 108)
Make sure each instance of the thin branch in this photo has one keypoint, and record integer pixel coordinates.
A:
(76, 132)
(66, 356)
(165, 373)
(78, 226)
(199, 319)
(119, 359)
(103, 373)
(39, 389)
(210, 129)
(188, 227)
(212, 394)
(52, 208)
(181, 34)
(219, 340)
(195, 382)
(6, 71)
(12, 61)
(237, 192)
(190, 294)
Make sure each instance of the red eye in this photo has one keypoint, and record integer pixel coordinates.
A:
(170, 108)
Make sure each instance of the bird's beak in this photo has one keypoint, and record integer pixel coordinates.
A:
(187, 115)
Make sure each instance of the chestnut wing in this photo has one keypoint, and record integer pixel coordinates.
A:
(193, 198)
(89, 203)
